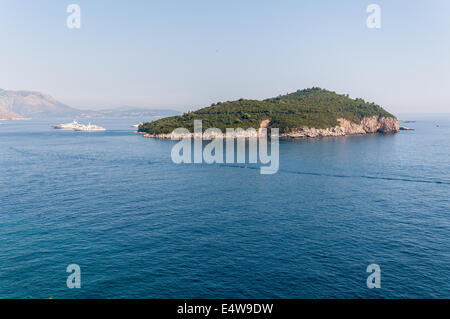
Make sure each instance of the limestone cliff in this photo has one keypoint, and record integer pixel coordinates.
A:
(368, 125)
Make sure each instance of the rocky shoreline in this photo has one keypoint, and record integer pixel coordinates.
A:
(368, 125)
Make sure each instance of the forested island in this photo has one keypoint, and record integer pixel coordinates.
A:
(311, 112)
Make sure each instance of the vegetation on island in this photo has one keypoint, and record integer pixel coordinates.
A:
(314, 107)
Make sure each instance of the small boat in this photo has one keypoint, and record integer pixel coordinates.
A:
(67, 126)
(137, 125)
(89, 128)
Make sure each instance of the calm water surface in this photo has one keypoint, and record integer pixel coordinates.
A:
(140, 226)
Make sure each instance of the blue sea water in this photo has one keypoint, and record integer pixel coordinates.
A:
(141, 226)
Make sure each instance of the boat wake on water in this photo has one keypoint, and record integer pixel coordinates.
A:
(411, 179)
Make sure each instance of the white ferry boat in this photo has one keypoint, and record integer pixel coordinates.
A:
(89, 128)
(67, 126)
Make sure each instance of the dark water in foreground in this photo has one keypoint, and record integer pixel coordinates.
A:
(140, 226)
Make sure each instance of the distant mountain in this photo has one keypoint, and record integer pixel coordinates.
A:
(6, 115)
(34, 104)
(129, 111)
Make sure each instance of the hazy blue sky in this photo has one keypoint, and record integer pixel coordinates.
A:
(188, 54)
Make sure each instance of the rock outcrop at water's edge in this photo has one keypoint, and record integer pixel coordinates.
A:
(368, 125)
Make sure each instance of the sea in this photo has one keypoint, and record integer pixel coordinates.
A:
(140, 226)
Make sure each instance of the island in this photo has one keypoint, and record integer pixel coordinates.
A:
(307, 113)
